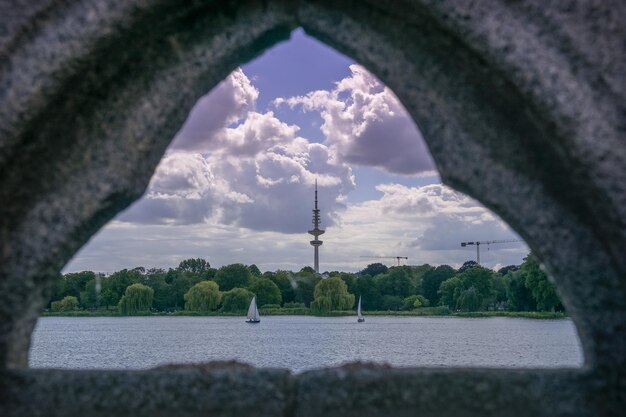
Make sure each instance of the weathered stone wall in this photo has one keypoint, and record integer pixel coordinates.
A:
(523, 106)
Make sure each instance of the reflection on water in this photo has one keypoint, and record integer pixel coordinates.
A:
(301, 342)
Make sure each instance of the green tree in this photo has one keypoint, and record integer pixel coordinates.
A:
(365, 287)
(541, 289)
(113, 286)
(417, 273)
(432, 281)
(332, 294)
(109, 297)
(172, 274)
(285, 283)
(180, 285)
(204, 296)
(233, 276)
(155, 279)
(392, 302)
(469, 300)
(349, 279)
(449, 292)
(305, 288)
(396, 282)
(519, 297)
(476, 277)
(414, 301)
(254, 270)
(236, 300)
(89, 298)
(266, 291)
(68, 303)
(499, 291)
(75, 282)
(482, 280)
(509, 268)
(307, 270)
(136, 299)
(467, 265)
(194, 265)
(374, 269)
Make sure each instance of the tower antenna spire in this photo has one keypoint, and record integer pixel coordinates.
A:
(316, 232)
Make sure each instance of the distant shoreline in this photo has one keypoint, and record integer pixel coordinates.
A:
(434, 312)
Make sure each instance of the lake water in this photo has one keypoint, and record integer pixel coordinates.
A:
(303, 342)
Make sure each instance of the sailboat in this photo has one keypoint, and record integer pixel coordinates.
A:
(359, 316)
(253, 312)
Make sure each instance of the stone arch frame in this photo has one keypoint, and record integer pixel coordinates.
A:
(521, 104)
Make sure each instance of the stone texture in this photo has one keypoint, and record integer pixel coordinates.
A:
(521, 103)
(362, 390)
(223, 390)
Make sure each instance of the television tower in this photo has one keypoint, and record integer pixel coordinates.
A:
(316, 243)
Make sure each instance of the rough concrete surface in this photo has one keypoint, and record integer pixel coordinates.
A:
(522, 104)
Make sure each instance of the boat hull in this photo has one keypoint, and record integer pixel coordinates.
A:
(253, 321)
(360, 320)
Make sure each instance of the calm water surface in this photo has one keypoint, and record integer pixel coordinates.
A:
(302, 342)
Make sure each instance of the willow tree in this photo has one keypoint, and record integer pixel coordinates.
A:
(332, 294)
(204, 296)
(540, 287)
(469, 300)
(68, 303)
(136, 299)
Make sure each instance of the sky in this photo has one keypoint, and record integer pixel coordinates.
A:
(236, 184)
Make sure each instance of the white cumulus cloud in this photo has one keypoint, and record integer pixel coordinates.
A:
(426, 223)
(232, 165)
(229, 102)
(365, 124)
(183, 190)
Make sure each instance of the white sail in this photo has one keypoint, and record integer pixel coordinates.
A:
(253, 311)
(358, 311)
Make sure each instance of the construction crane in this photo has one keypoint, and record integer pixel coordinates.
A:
(397, 258)
(487, 242)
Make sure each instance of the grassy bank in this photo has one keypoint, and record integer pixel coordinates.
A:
(543, 315)
(422, 312)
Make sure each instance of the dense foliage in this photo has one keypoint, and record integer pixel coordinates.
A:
(266, 291)
(68, 303)
(195, 286)
(233, 276)
(332, 294)
(236, 300)
(136, 299)
(204, 296)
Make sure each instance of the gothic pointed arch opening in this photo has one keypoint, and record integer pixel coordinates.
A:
(519, 108)
(234, 191)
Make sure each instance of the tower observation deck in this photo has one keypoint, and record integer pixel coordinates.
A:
(316, 232)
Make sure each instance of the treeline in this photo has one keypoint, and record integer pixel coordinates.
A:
(196, 287)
